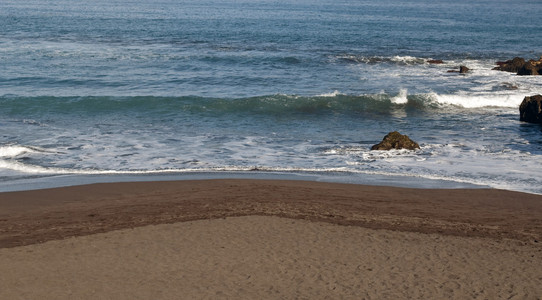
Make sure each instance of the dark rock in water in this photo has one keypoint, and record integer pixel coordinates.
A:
(435, 61)
(530, 109)
(519, 66)
(462, 70)
(511, 65)
(532, 67)
(395, 140)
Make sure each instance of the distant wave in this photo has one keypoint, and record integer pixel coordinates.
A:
(277, 104)
(396, 59)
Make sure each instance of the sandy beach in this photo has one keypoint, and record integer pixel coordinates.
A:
(268, 239)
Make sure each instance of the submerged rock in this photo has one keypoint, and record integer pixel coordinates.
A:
(435, 61)
(395, 140)
(462, 70)
(530, 109)
(509, 86)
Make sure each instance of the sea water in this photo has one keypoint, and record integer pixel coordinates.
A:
(223, 87)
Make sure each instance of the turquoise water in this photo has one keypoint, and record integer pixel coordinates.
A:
(295, 87)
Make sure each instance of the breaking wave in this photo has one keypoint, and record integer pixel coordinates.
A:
(398, 60)
(272, 104)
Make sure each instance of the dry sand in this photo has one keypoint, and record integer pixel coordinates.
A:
(256, 239)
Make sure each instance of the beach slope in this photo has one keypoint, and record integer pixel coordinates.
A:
(269, 239)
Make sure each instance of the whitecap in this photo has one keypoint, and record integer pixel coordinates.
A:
(332, 94)
(400, 98)
(15, 150)
(479, 100)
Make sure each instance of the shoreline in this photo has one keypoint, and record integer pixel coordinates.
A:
(67, 180)
(36, 216)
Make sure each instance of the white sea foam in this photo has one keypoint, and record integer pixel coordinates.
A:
(401, 98)
(397, 59)
(31, 169)
(507, 168)
(15, 150)
(332, 94)
(408, 59)
(406, 164)
(479, 100)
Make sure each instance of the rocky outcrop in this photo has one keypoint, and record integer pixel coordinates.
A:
(512, 65)
(435, 61)
(519, 66)
(395, 140)
(530, 109)
(532, 67)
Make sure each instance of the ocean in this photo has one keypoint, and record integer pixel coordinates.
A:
(136, 89)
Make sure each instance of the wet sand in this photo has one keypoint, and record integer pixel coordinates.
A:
(269, 239)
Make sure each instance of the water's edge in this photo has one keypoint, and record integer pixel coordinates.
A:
(59, 181)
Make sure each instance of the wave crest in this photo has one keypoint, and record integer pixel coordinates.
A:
(279, 104)
(398, 60)
(9, 151)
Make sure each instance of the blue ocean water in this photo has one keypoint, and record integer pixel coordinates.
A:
(124, 87)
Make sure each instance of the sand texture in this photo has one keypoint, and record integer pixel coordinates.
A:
(259, 239)
(259, 257)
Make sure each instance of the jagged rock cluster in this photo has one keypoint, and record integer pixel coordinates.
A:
(519, 66)
(516, 65)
